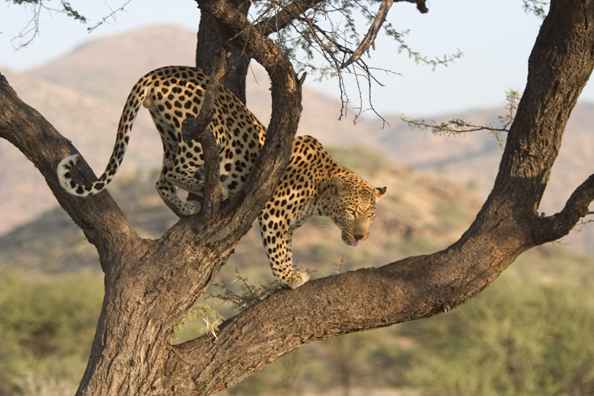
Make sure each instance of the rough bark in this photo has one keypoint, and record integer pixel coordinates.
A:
(151, 285)
(212, 37)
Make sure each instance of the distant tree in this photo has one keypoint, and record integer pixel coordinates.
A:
(150, 285)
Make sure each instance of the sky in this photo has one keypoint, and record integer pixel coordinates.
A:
(496, 38)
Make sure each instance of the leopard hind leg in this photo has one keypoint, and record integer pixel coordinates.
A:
(168, 193)
(191, 179)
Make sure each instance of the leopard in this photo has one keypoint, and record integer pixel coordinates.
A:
(313, 183)
(173, 94)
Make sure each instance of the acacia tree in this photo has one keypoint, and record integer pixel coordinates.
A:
(150, 285)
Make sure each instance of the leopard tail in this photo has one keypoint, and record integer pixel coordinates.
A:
(137, 96)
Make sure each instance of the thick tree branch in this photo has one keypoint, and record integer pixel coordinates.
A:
(212, 38)
(360, 300)
(559, 67)
(99, 217)
(286, 110)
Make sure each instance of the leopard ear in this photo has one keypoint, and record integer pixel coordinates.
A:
(340, 185)
(380, 192)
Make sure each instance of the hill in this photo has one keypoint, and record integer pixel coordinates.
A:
(82, 95)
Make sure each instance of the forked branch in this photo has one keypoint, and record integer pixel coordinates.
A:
(553, 227)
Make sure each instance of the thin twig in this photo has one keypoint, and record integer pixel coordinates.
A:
(285, 16)
(105, 18)
(369, 39)
(456, 126)
(27, 29)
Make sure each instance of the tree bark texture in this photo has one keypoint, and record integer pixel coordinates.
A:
(151, 285)
(214, 37)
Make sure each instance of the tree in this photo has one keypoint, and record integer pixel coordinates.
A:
(151, 285)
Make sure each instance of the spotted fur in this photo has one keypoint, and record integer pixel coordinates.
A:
(173, 94)
(314, 184)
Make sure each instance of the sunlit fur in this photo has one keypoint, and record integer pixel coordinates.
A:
(314, 184)
(173, 94)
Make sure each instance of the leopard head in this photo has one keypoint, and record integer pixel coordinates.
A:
(352, 206)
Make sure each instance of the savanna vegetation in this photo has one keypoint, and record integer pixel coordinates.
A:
(528, 336)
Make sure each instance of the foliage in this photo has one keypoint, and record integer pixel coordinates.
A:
(332, 30)
(515, 339)
(512, 98)
(246, 296)
(64, 7)
(46, 329)
(324, 40)
(537, 7)
(36, 7)
(208, 318)
(458, 127)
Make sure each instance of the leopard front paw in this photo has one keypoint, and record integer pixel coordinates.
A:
(293, 281)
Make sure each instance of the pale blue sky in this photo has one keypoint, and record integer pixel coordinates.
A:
(495, 36)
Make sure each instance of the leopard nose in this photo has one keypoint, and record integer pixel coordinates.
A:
(359, 237)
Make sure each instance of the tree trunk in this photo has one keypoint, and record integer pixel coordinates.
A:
(151, 285)
(214, 37)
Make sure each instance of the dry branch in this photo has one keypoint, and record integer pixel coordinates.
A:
(285, 16)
